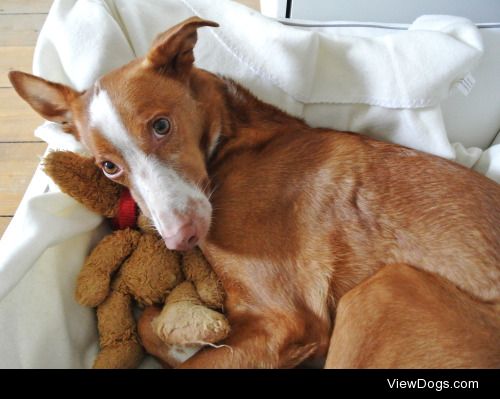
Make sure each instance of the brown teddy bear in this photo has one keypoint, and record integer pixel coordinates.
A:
(134, 263)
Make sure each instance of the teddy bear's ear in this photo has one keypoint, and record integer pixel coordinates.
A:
(80, 178)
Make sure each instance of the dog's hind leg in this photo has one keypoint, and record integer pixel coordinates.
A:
(405, 318)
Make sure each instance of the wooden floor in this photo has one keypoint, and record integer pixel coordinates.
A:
(20, 151)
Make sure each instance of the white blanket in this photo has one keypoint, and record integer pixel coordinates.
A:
(389, 86)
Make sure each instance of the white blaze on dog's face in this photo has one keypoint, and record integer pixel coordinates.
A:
(145, 129)
(146, 154)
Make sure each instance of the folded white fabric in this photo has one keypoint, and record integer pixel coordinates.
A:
(389, 86)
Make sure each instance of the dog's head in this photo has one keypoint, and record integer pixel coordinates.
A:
(144, 127)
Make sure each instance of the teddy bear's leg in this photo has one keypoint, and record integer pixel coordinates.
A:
(118, 338)
(93, 283)
(186, 320)
(198, 270)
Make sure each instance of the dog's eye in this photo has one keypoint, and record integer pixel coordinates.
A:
(110, 168)
(161, 126)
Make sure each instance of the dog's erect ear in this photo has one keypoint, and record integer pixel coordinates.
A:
(172, 51)
(51, 100)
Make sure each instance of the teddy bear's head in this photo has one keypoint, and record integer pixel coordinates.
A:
(83, 180)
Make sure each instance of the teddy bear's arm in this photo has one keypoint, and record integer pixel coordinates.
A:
(198, 270)
(93, 282)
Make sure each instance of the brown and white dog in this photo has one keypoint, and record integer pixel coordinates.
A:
(305, 227)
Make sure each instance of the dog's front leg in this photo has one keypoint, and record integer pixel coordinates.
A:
(251, 347)
(242, 350)
(255, 343)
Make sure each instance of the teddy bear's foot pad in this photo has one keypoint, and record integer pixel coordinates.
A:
(186, 323)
